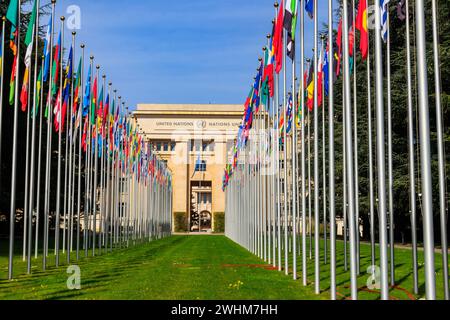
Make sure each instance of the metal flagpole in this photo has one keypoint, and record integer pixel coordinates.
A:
(316, 162)
(309, 181)
(27, 180)
(274, 179)
(94, 204)
(349, 153)
(370, 142)
(294, 171)
(441, 151)
(49, 146)
(88, 167)
(60, 128)
(412, 170)
(389, 130)
(331, 152)
(71, 182)
(33, 139)
(425, 154)
(324, 170)
(285, 160)
(72, 150)
(277, 137)
(14, 154)
(303, 149)
(381, 156)
(344, 180)
(355, 139)
(108, 197)
(101, 195)
(1, 90)
(80, 158)
(38, 182)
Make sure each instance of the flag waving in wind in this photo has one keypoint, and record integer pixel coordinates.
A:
(384, 16)
(278, 40)
(361, 25)
(87, 94)
(47, 49)
(290, 24)
(309, 7)
(12, 16)
(29, 40)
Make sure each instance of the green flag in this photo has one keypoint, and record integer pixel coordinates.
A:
(38, 94)
(12, 14)
(29, 36)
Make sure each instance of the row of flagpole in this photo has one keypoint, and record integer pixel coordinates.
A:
(116, 191)
(271, 158)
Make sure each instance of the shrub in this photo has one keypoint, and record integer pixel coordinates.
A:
(180, 222)
(219, 222)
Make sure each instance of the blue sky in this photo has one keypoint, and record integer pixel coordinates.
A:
(198, 51)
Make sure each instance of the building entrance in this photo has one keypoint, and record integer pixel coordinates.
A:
(201, 206)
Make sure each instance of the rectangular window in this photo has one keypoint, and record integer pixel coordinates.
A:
(200, 167)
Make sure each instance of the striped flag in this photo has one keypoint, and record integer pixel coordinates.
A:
(384, 15)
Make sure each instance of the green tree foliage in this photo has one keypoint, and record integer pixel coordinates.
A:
(399, 120)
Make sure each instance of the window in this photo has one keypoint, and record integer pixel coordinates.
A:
(163, 146)
(200, 167)
(205, 198)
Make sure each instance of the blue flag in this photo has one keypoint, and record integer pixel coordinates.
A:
(47, 49)
(384, 13)
(309, 7)
(87, 94)
(326, 72)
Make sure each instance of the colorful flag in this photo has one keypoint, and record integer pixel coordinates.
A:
(47, 49)
(338, 52)
(310, 87)
(84, 135)
(38, 94)
(87, 94)
(384, 16)
(309, 7)
(94, 101)
(289, 114)
(76, 95)
(361, 25)
(12, 15)
(290, 17)
(290, 47)
(56, 61)
(320, 79)
(278, 40)
(100, 113)
(29, 40)
(326, 72)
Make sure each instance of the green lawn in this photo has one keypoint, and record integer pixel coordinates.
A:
(188, 267)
